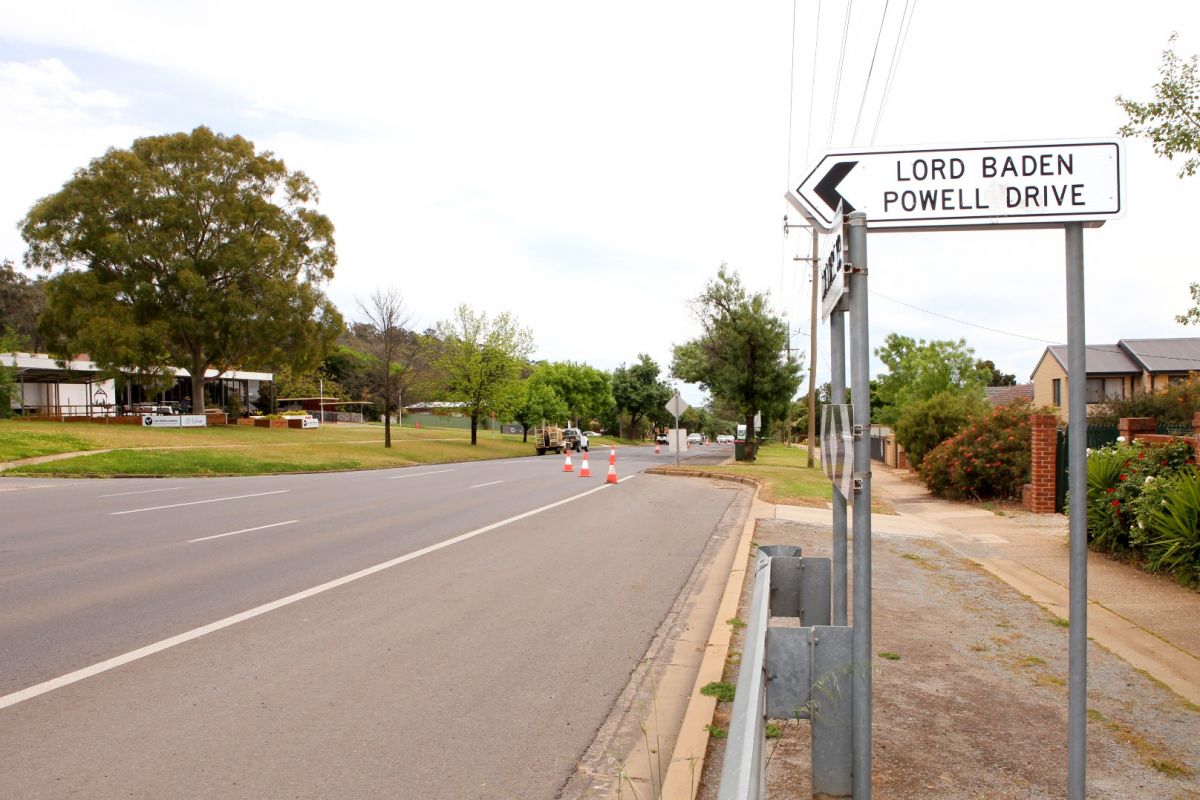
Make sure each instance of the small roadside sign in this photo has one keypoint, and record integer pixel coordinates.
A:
(1024, 184)
(836, 446)
(832, 269)
(676, 405)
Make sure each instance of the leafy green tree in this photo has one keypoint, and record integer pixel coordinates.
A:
(740, 356)
(917, 370)
(21, 303)
(994, 376)
(481, 360)
(638, 392)
(587, 391)
(538, 403)
(925, 424)
(8, 387)
(1172, 119)
(187, 249)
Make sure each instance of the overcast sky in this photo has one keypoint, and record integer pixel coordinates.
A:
(588, 167)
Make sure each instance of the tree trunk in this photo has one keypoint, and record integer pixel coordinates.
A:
(474, 426)
(387, 422)
(524, 433)
(197, 371)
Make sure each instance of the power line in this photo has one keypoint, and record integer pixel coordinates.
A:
(897, 53)
(812, 90)
(787, 177)
(961, 321)
(837, 83)
(870, 71)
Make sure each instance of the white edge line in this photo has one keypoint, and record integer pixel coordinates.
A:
(489, 483)
(143, 491)
(195, 633)
(198, 502)
(628, 478)
(243, 530)
(418, 474)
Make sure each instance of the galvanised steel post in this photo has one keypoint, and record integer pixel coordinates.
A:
(860, 389)
(837, 394)
(1077, 464)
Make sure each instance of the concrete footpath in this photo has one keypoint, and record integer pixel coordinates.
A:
(1149, 621)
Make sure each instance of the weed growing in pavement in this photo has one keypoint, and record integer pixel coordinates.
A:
(773, 731)
(1060, 622)
(735, 623)
(890, 656)
(721, 690)
(715, 732)
(1030, 661)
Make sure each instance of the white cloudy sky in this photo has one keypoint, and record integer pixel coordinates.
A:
(611, 156)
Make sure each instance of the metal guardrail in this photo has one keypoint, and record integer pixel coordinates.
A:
(791, 673)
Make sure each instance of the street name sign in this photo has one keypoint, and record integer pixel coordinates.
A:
(1021, 184)
(832, 269)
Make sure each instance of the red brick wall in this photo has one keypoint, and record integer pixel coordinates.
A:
(1038, 495)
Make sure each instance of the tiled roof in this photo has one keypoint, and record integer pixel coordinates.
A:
(1006, 395)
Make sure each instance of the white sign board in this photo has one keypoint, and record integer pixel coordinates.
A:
(193, 421)
(160, 421)
(837, 447)
(310, 422)
(832, 269)
(1029, 184)
(676, 405)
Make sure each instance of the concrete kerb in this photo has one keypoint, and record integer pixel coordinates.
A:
(682, 779)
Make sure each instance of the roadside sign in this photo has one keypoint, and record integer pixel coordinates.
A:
(160, 421)
(832, 268)
(1023, 184)
(310, 422)
(836, 446)
(193, 421)
(676, 405)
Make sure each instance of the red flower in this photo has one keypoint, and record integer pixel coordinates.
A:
(1116, 503)
(1123, 477)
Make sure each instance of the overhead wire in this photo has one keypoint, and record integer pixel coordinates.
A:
(870, 71)
(812, 89)
(787, 178)
(837, 83)
(897, 53)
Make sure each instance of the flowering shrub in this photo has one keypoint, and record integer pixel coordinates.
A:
(990, 457)
(1124, 482)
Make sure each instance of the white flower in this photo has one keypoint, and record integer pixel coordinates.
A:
(1149, 478)
(1089, 451)
(1141, 525)
(1120, 439)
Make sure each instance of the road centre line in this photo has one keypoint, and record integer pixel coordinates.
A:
(489, 483)
(417, 474)
(195, 633)
(243, 530)
(198, 502)
(143, 491)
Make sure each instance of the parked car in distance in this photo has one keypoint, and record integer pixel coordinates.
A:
(591, 434)
(724, 438)
(571, 438)
(662, 438)
(695, 438)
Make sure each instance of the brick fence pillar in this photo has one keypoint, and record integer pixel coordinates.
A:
(1131, 427)
(1038, 494)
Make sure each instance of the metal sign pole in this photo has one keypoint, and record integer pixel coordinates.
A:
(1077, 466)
(837, 391)
(860, 395)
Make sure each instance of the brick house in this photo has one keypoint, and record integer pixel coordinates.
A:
(1129, 367)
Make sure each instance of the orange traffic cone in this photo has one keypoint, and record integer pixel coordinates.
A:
(584, 471)
(612, 456)
(567, 464)
(612, 467)
(656, 448)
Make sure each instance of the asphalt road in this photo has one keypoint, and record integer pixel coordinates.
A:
(449, 631)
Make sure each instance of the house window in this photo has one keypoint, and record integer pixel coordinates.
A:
(1101, 389)
(1175, 380)
(1057, 384)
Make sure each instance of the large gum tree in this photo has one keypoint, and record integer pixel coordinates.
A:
(185, 250)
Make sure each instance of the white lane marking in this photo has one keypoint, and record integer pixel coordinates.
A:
(627, 478)
(489, 483)
(197, 502)
(35, 486)
(418, 474)
(143, 491)
(243, 530)
(195, 633)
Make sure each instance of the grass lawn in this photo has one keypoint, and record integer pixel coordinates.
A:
(238, 450)
(786, 478)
